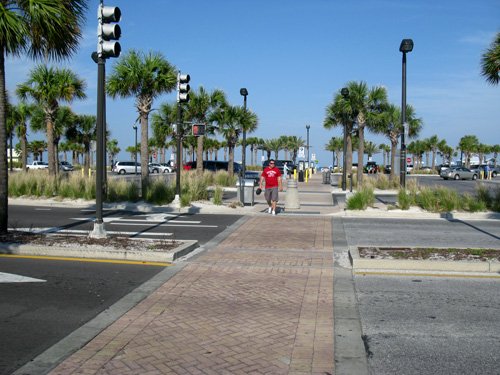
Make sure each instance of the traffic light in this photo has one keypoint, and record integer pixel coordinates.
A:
(109, 31)
(198, 129)
(183, 88)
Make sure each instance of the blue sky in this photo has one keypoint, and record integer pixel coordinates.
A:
(294, 55)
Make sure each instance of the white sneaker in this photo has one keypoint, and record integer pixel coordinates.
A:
(274, 212)
(269, 210)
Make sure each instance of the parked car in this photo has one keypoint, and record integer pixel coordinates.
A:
(387, 169)
(214, 166)
(65, 166)
(458, 173)
(481, 168)
(280, 165)
(158, 168)
(371, 167)
(38, 165)
(169, 167)
(124, 167)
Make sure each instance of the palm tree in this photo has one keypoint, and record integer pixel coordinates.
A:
(113, 150)
(145, 77)
(37, 148)
(468, 144)
(254, 143)
(386, 149)
(335, 145)
(199, 109)
(83, 131)
(21, 114)
(390, 126)
(371, 149)
(367, 106)
(46, 29)
(445, 150)
(162, 121)
(490, 62)
(47, 86)
(294, 143)
(433, 143)
(228, 119)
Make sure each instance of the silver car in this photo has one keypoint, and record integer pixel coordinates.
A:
(458, 173)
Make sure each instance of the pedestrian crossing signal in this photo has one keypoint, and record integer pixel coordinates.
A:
(198, 130)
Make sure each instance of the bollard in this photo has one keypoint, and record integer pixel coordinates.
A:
(292, 195)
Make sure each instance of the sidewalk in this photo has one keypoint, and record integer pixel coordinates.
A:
(260, 301)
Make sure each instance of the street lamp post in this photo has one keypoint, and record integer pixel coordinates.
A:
(244, 93)
(308, 127)
(135, 148)
(406, 46)
(345, 94)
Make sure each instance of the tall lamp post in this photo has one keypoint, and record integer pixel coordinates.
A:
(244, 93)
(405, 47)
(308, 127)
(135, 148)
(345, 94)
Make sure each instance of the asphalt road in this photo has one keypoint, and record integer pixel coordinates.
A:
(430, 325)
(427, 325)
(421, 232)
(201, 227)
(36, 315)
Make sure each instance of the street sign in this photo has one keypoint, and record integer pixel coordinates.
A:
(302, 152)
(408, 160)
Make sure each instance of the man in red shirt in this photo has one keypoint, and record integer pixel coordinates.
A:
(271, 175)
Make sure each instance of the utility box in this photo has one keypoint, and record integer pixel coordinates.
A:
(248, 191)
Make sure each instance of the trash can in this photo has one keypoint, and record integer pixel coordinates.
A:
(326, 177)
(301, 176)
(248, 191)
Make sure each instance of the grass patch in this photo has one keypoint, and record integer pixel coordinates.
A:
(361, 199)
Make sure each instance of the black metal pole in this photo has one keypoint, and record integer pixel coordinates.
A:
(308, 127)
(243, 156)
(344, 161)
(100, 135)
(178, 152)
(402, 172)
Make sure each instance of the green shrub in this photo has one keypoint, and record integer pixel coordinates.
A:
(361, 199)
(472, 204)
(122, 190)
(405, 199)
(158, 192)
(218, 193)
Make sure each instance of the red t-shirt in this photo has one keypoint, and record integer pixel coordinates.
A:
(271, 176)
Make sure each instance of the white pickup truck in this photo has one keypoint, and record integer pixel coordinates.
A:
(38, 165)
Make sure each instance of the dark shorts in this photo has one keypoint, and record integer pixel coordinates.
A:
(271, 194)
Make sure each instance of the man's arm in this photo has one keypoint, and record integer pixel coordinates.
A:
(261, 182)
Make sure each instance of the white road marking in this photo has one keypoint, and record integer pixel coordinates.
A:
(85, 232)
(86, 219)
(168, 225)
(43, 209)
(13, 278)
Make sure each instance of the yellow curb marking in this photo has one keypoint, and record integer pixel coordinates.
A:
(428, 274)
(90, 260)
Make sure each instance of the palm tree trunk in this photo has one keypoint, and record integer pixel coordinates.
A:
(144, 153)
(24, 151)
(230, 168)
(199, 155)
(50, 147)
(361, 152)
(394, 145)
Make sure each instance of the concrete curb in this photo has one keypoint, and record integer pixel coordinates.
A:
(101, 252)
(363, 264)
(418, 214)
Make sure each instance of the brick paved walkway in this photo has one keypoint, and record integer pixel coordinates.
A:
(261, 302)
